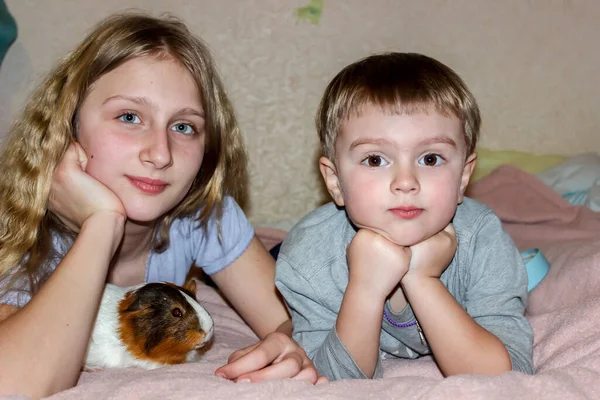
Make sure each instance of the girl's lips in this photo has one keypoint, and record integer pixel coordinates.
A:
(146, 185)
(407, 212)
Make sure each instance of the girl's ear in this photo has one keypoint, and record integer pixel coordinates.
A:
(329, 173)
(466, 175)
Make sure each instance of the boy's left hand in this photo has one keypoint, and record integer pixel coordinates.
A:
(431, 257)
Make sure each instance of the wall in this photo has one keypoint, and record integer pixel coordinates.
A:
(532, 64)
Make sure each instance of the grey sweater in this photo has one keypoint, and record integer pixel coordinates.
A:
(486, 276)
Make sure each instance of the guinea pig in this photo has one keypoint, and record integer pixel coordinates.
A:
(147, 326)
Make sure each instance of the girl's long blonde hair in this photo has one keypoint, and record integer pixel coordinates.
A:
(39, 138)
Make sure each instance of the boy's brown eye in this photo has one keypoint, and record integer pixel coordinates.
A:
(430, 159)
(374, 161)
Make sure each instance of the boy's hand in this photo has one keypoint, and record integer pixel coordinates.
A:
(376, 263)
(75, 195)
(277, 356)
(431, 257)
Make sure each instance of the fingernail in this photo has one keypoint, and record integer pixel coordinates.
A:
(243, 380)
(221, 375)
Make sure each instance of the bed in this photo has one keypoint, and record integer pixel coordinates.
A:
(532, 81)
(564, 310)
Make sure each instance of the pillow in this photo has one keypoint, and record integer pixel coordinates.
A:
(8, 30)
(488, 160)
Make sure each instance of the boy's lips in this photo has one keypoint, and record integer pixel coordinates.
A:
(147, 185)
(406, 212)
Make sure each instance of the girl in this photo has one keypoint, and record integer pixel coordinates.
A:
(125, 167)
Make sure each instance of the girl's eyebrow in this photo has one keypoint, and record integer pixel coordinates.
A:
(143, 101)
(190, 111)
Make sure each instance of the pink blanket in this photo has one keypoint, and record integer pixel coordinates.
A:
(564, 311)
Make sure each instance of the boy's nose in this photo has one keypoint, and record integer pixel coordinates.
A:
(157, 150)
(405, 180)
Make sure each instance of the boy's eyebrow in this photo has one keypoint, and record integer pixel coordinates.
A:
(439, 139)
(378, 142)
(383, 142)
(143, 101)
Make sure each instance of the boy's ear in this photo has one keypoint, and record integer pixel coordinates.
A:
(466, 175)
(329, 173)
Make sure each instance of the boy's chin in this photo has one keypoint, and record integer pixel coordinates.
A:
(404, 239)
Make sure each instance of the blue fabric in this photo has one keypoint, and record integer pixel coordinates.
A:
(8, 30)
(189, 244)
(537, 267)
(577, 197)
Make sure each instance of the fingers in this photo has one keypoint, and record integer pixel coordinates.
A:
(74, 156)
(290, 365)
(250, 359)
(450, 229)
(82, 158)
(308, 373)
(242, 352)
(275, 357)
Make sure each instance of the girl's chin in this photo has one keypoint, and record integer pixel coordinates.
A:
(141, 222)
(141, 218)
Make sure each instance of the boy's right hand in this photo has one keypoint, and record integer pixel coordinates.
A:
(376, 263)
(75, 195)
(431, 257)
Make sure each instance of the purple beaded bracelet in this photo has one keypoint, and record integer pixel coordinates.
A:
(396, 324)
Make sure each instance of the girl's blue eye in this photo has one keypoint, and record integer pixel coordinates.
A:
(185, 129)
(130, 118)
(374, 160)
(431, 160)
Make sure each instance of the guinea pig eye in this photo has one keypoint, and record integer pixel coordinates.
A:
(177, 313)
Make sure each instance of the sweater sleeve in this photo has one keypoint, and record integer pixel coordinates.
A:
(496, 295)
(314, 325)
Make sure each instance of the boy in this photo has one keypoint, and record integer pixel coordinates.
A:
(402, 264)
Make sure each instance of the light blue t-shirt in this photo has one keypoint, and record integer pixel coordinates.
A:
(189, 244)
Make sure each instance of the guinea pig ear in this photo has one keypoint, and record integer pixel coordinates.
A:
(135, 303)
(190, 285)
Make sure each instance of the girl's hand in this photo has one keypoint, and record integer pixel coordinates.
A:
(75, 195)
(376, 263)
(277, 356)
(431, 257)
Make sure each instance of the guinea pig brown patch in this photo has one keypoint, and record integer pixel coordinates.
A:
(158, 324)
(190, 287)
(186, 288)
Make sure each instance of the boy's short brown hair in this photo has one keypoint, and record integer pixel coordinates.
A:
(400, 83)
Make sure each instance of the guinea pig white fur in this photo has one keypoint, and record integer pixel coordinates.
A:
(148, 326)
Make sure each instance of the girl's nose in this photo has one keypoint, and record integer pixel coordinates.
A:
(405, 180)
(157, 150)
